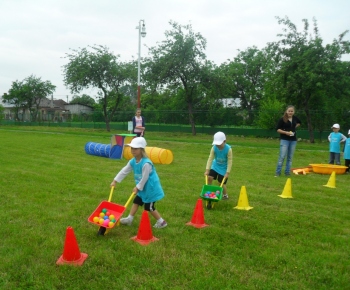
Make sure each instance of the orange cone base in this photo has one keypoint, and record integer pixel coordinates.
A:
(79, 262)
(198, 226)
(144, 242)
(243, 208)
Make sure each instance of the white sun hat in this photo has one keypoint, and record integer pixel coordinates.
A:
(138, 142)
(219, 138)
(336, 126)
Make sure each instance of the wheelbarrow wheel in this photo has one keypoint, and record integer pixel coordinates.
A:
(101, 231)
(209, 205)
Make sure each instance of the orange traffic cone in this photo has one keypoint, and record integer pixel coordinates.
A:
(287, 191)
(144, 235)
(71, 253)
(198, 216)
(331, 181)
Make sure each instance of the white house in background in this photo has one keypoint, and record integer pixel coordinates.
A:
(57, 109)
(78, 108)
(230, 102)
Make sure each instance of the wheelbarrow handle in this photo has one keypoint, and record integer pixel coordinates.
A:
(222, 182)
(206, 179)
(110, 194)
(129, 200)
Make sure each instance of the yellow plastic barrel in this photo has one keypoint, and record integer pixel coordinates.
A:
(157, 155)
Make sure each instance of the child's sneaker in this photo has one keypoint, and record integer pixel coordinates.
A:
(126, 221)
(160, 225)
(225, 196)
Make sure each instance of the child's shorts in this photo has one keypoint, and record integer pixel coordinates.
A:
(149, 206)
(217, 176)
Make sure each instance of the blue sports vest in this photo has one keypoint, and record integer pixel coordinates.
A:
(347, 149)
(152, 190)
(334, 143)
(220, 159)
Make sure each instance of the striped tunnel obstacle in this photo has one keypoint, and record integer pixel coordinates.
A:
(118, 150)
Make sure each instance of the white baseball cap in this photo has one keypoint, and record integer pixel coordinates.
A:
(138, 142)
(336, 126)
(219, 138)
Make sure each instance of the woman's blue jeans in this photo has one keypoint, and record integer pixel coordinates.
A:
(287, 149)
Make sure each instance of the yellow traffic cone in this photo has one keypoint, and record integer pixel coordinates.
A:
(243, 200)
(287, 191)
(331, 181)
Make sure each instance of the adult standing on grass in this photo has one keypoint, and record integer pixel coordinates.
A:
(286, 127)
(148, 189)
(219, 162)
(138, 124)
(335, 138)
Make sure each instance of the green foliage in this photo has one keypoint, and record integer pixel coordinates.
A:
(311, 75)
(51, 183)
(84, 100)
(270, 111)
(28, 95)
(177, 63)
(101, 69)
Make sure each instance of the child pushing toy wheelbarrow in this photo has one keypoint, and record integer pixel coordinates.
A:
(211, 193)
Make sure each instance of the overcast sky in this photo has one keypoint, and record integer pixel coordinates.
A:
(35, 35)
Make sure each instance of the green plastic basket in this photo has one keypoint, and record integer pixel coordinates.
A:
(211, 188)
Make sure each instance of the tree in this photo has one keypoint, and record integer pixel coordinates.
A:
(84, 100)
(312, 76)
(101, 69)
(28, 94)
(244, 78)
(177, 63)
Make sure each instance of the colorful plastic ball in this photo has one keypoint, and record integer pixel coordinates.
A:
(101, 221)
(111, 224)
(96, 219)
(105, 217)
(104, 210)
(105, 223)
(113, 221)
(111, 216)
(108, 213)
(101, 214)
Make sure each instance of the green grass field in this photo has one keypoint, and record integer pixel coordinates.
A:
(48, 183)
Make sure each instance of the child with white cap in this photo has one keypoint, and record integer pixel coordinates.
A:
(219, 162)
(148, 189)
(335, 138)
(347, 153)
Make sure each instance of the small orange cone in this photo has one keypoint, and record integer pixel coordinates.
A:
(198, 216)
(144, 235)
(287, 191)
(331, 181)
(71, 253)
(243, 200)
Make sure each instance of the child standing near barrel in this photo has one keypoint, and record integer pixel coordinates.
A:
(219, 162)
(148, 189)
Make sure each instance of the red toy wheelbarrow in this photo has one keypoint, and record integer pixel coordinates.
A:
(108, 214)
(211, 193)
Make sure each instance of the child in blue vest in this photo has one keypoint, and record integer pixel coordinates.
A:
(347, 153)
(148, 189)
(219, 162)
(335, 138)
